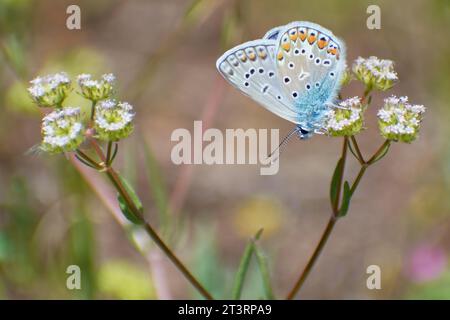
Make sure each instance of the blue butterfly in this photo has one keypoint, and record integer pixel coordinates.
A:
(294, 71)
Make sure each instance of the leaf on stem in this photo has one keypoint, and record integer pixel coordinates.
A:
(128, 213)
(337, 175)
(264, 270)
(350, 144)
(243, 266)
(381, 153)
(345, 200)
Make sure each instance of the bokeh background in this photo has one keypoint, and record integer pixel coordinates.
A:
(54, 214)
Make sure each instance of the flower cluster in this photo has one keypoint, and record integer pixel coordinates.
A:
(346, 119)
(398, 120)
(375, 73)
(96, 90)
(51, 90)
(113, 120)
(62, 130)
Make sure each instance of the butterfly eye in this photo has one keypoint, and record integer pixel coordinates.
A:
(317, 62)
(286, 80)
(317, 84)
(326, 62)
(246, 84)
(311, 56)
(291, 65)
(261, 70)
(271, 74)
(332, 74)
(266, 87)
(296, 52)
(252, 70)
(294, 94)
(247, 75)
(308, 86)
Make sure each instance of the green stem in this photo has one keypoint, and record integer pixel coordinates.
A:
(338, 193)
(326, 234)
(108, 153)
(313, 259)
(115, 180)
(358, 151)
(355, 184)
(379, 152)
(93, 109)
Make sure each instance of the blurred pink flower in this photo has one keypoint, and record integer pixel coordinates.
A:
(427, 262)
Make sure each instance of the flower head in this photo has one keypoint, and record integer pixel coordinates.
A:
(50, 90)
(398, 120)
(96, 89)
(113, 120)
(62, 130)
(375, 73)
(346, 119)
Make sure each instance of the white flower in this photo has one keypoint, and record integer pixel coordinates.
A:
(96, 89)
(398, 120)
(50, 90)
(375, 73)
(62, 130)
(346, 119)
(113, 121)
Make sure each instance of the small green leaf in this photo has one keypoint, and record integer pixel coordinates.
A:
(382, 154)
(243, 266)
(128, 213)
(345, 200)
(337, 175)
(264, 270)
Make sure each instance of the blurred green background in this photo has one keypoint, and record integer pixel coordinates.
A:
(163, 53)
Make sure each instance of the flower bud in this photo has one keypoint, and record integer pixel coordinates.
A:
(62, 130)
(113, 120)
(375, 73)
(346, 119)
(346, 76)
(96, 90)
(50, 90)
(400, 121)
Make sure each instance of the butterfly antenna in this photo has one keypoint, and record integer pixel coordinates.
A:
(284, 142)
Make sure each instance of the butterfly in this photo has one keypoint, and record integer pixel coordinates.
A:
(294, 71)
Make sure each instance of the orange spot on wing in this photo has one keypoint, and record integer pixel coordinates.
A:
(321, 44)
(252, 56)
(286, 46)
(302, 35)
(280, 55)
(311, 39)
(293, 37)
(332, 51)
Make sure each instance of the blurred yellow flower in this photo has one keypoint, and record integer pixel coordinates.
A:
(122, 280)
(256, 213)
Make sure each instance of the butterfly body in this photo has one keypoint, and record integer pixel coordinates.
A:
(293, 71)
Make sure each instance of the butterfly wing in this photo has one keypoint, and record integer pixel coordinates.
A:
(250, 67)
(310, 61)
